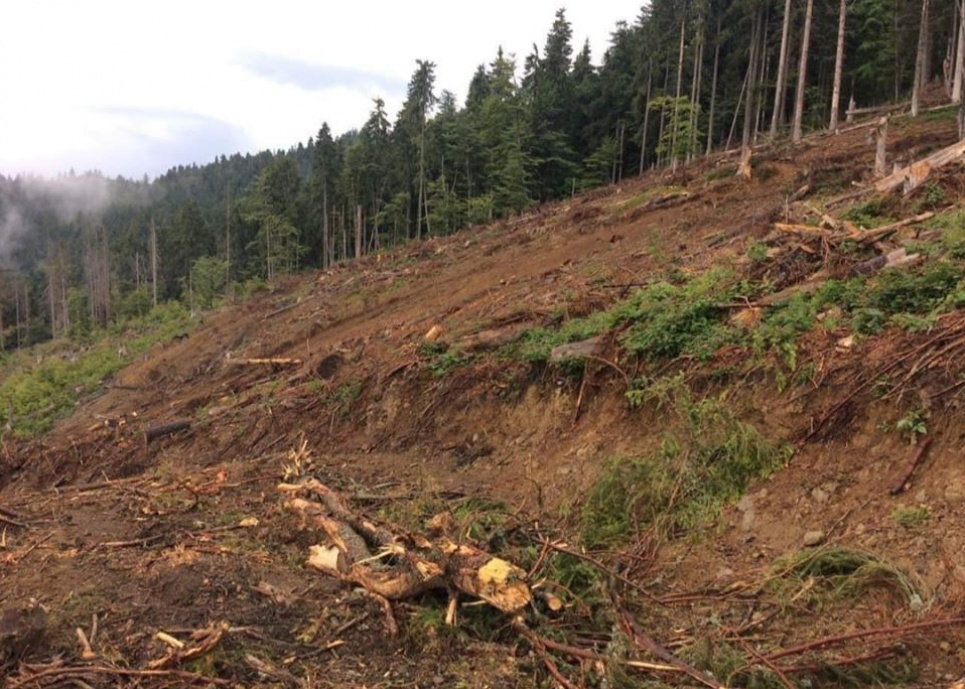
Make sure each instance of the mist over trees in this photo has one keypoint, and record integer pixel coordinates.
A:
(685, 78)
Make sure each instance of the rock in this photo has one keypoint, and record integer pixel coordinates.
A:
(813, 539)
(945, 646)
(820, 496)
(577, 350)
(846, 343)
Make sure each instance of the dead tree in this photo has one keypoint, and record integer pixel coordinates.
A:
(838, 66)
(781, 71)
(797, 131)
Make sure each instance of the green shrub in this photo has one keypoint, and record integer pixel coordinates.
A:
(684, 483)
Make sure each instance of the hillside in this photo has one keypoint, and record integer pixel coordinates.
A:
(717, 484)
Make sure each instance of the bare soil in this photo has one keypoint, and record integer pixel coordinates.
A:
(189, 531)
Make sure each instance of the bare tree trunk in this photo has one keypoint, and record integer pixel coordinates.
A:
(646, 119)
(881, 153)
(676, 103)
(696, 84)
(781, 71)
(959, 79)
(797, 131)
(744, 169)
(154, 261)
(838, 66)
(358, 231)
(326, 249)
(764, 60)
(713, 93)
(920, 67)
(737, 110)
(227, 240)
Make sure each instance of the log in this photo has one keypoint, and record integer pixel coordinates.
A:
(911, 177)
(895, 259)
(165, 429)
(577, 350)
(264, 362)
(802, 229)
(874, 235)
(920, 452)
(397, 566)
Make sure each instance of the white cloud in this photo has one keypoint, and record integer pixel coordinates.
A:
(132, 87)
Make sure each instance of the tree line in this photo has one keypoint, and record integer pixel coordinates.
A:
(685, 78)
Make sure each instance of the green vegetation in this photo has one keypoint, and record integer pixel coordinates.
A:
(40, 385)
(683, 484)
(911, 518)
(832, 573)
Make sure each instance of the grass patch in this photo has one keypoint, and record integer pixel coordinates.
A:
(835, 573)
(45, 382)
(911, 518)
(684, 484)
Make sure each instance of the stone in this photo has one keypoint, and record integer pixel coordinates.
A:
(813, 539)
(820, 496)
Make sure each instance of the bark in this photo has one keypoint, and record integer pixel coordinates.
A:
(838, 66)
(797, 132)
(781, 71)
(920, 67)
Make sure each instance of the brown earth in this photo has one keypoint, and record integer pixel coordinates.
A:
(148, 538)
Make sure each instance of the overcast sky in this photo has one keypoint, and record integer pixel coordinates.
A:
(132, 87)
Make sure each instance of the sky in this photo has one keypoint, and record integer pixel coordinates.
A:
(130, 87)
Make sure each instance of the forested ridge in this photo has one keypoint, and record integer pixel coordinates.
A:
(685, 78)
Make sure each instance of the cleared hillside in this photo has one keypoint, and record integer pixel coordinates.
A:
(728, 458)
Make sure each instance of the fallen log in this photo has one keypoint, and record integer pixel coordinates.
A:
(577, 350)
(920, 452)
(165, 429)
(894, 259)
(397, 566)
(264, 362)
(874, 235)
(911, 177)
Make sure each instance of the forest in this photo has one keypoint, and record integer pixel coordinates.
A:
(687, 77)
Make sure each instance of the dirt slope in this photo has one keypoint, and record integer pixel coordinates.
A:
(189, 531)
